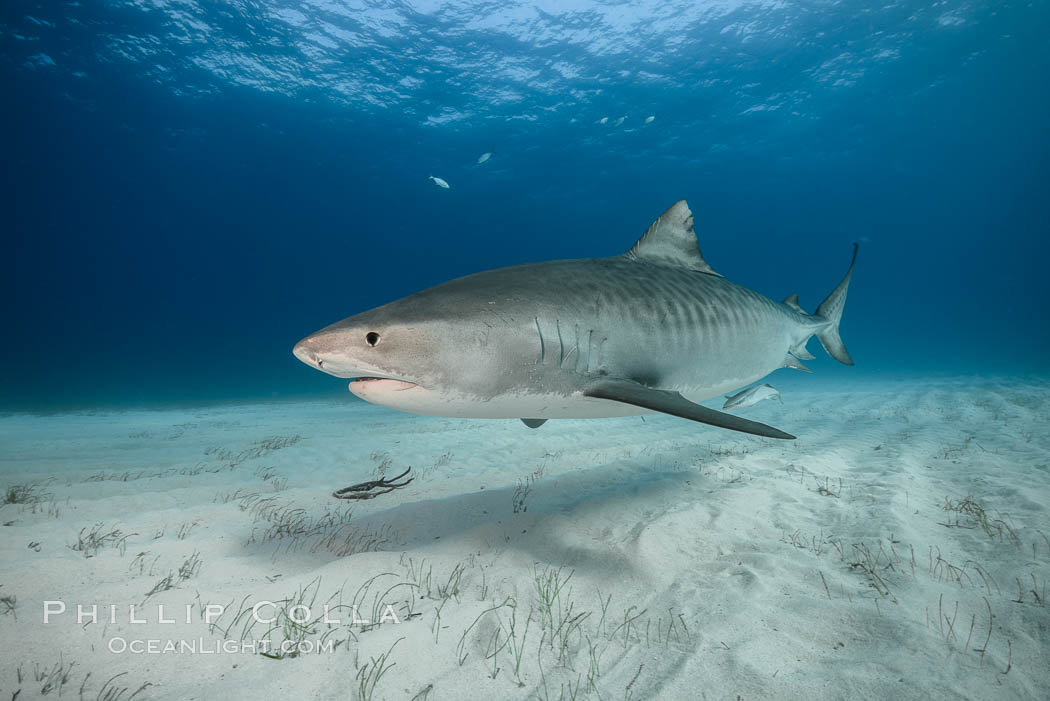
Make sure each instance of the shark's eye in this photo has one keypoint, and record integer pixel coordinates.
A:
(372, 338)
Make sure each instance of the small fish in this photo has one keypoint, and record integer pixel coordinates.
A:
(650, 118)
(619, 121)
(484, 157)
(603, 120)
(439, 182)
(751, 397)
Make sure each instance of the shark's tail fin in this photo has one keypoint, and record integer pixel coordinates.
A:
(831, 311)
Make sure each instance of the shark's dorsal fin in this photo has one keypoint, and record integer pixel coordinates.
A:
(792, 301)
(671, 241)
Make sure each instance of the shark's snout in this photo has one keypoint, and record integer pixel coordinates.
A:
(327, 352)
(304, 352)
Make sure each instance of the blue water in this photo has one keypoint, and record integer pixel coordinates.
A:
(189, 188)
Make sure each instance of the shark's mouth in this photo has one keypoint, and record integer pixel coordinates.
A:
(371, 385)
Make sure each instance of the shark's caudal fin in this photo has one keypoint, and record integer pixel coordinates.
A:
(831, 311)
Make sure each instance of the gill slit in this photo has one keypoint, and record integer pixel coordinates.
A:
(539, 331)
(561, 343)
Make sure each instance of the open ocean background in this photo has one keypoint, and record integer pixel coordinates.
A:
(191, 187)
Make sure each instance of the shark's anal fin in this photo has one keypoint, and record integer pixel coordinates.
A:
(673, 403)
(800, 351)
(534, 423)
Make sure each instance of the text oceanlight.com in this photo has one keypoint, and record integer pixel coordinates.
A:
(200, 646)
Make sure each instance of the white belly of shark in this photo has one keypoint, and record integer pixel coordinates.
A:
(653, 330)
(413, 399)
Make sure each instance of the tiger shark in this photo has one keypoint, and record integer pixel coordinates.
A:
(655, 329)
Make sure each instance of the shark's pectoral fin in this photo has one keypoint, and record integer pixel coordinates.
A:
(534, 423)
(673, 403)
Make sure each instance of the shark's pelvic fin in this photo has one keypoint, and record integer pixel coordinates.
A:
(792, 301)
(671, 241)
(831, 311)
(791, 361)
(675, 404)
(534, 423)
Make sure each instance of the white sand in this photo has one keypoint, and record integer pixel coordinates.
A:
(742, 578)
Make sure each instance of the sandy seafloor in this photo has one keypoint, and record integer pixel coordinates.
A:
(898, 549)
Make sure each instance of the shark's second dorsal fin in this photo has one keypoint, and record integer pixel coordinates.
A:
(792, 302)
(671, 241)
